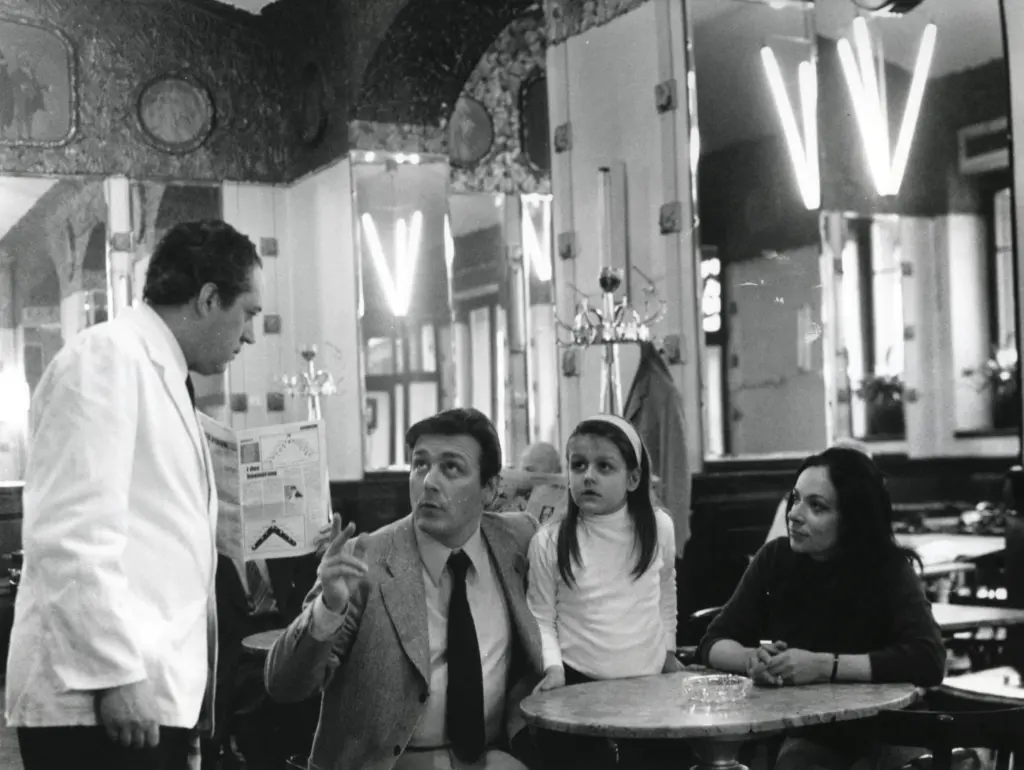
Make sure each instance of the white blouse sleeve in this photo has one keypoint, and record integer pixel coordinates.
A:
(668, 599)
(540, 595)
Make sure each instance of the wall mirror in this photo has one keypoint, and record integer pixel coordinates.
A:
(53, 282)
(502, 300)
(758, 198)
(917, 254)
(66, 263)
(404, 246)
(855, 228)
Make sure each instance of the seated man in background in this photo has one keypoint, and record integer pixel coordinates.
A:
(541, 457)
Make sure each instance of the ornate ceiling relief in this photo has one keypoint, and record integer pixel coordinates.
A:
(120, 47)
(568, 18)
(509, 65)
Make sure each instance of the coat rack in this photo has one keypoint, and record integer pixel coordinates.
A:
(312, 384)
(616, 323)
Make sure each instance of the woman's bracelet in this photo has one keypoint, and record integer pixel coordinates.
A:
(835, 667)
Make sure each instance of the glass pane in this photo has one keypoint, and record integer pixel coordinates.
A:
(380, 355)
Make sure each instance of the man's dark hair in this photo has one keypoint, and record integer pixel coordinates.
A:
(192, 254)
(463, 422)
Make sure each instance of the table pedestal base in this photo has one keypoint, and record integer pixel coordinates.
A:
(717, 754)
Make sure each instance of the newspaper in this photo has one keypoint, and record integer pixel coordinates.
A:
(545, 495)
(272, 488)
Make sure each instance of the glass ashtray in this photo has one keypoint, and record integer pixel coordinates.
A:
(717, 689)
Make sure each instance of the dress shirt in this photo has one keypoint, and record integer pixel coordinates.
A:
(493, 630)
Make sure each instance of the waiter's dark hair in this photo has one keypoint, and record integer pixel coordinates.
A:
(193, 254)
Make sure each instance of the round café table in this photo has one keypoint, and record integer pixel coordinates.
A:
(656, 707)
(260, 644)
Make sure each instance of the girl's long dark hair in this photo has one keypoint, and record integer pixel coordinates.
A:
(638, 502)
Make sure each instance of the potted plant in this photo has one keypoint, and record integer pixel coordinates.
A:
(883, 395)
(1001, 375)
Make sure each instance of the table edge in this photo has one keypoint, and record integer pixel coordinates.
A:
(724, 733)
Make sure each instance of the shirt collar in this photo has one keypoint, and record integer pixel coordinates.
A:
(434, 554)
(166, 338)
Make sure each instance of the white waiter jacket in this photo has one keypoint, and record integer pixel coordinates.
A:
(119, 533)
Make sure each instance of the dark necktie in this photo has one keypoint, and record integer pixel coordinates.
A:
(191, 390)
(464, 716)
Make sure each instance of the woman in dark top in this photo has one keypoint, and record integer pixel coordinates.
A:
(838, 600)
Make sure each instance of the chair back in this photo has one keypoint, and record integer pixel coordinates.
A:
(943, 731)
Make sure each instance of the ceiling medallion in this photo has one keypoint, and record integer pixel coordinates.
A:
(176, 112)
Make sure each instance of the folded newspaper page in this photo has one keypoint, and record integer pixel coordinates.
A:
(272, 488)
(545, 495)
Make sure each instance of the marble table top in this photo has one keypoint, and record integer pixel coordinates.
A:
(993, 685)
(656, 707)
(937, 547)
(967, 617)
(263, 641)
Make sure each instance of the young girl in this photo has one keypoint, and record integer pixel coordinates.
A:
(602, 578)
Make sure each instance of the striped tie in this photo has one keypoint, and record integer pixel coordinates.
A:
(261, 600)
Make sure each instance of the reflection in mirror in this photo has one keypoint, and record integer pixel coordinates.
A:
(53, 282)
(504, 353)
(917, 235)
(400, 204)
(758, 194)
(889, 315)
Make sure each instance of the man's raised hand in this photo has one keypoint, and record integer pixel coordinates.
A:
(340, 571)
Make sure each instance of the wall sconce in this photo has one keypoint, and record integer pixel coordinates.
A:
(533, 249)
(803, 153)
(870, 111)
(407, 247)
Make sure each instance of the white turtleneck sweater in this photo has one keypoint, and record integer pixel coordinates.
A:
(609, 625)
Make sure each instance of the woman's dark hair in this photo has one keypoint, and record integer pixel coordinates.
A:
(865, 510)
(193, 254)
(463, 422)
(638, 502)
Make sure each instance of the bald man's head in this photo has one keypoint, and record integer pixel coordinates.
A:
(541, 457)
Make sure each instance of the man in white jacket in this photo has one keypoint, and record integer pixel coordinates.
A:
(115, 623)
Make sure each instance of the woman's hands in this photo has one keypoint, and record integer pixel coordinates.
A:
(776, 665)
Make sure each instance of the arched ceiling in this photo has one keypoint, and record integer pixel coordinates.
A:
(428, 54)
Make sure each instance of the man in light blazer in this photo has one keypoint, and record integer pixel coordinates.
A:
(112, 645)
(418, 634)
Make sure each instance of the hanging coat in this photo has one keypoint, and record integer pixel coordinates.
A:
(655, 408)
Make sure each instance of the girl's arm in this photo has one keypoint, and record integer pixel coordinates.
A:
(540, 595)
(669, 600)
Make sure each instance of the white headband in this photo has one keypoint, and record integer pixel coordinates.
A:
(626, 427)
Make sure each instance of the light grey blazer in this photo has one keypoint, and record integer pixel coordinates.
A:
(374, 676)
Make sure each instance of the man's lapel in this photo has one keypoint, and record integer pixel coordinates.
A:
(162, 361)
(512, 572)
(405, 597)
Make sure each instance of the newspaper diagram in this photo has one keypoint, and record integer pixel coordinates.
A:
(272, 488)
(545, 495)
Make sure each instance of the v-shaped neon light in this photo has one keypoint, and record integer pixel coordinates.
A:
(803, 154)
(407, 247)
(863, 83)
